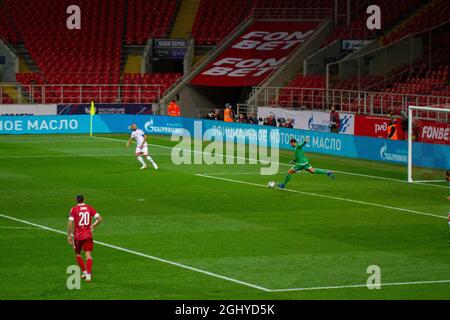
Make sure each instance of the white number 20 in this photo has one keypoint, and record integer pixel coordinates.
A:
(84, 219)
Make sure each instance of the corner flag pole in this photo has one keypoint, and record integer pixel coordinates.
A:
(92, 112)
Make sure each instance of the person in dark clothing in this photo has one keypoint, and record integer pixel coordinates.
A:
(335, 121)
(270, 121)
(289, 124)
(252, 119)
(404, 124)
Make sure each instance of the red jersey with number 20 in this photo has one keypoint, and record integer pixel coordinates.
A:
(82, 216)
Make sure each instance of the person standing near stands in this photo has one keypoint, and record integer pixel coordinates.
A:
(335, 121)
(252, 119)
(392, 130)
(174, 109)
(228, 114)
(404, 125)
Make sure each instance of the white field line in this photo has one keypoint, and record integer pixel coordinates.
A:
(362, 286)
(326, 196)
(15, 228)
(233, 173)
(215, 275)
(176, 264)
(79, 155)
(285, 164)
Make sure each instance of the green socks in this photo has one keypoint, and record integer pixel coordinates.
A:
(318, 171)
(321, 171)
(287, 179)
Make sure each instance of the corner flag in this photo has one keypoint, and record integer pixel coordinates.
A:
(92, 113)
(92, 108)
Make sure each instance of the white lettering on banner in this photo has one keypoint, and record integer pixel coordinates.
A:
(33, 125)
(397, 157)
(271, 40)
(43, 126)
(327, 143)
(52, 125)
(436, 133)
(381, 127)
(242, 67)
(73, 124)
(9, 125)
(64, 124)
(255, 54)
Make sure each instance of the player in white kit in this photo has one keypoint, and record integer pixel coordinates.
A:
(141, 148)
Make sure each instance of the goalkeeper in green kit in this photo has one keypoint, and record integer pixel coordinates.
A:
(300, 163)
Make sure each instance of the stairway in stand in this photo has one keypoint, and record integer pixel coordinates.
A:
(185, 19)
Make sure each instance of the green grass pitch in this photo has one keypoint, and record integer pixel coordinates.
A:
(215, 232)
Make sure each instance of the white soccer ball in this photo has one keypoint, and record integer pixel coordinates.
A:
(272, 184)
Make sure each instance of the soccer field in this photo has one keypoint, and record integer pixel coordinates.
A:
(215, 232)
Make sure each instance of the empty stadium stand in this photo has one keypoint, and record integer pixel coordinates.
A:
(5, 99)
(88, 56)
(217, 18)
(149, 19)
(393, 11)
(7, 27)
(436, 13)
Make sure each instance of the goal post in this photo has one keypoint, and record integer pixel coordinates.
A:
(428, 144)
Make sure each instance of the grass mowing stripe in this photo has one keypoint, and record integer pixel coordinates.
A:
(288, 165)
(37, 226)
(325, 196)
(212, 274)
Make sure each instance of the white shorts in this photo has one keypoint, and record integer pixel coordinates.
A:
(143, 150)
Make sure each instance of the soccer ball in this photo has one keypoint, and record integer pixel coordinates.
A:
(272, 184)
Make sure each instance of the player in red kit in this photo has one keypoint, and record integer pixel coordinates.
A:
(81, 226)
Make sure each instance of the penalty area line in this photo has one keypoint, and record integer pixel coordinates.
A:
(173, 263)
(326, 196)
(391, 284)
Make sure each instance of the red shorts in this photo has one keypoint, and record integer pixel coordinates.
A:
(85, 245)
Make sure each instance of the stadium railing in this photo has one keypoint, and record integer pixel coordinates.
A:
(84, 93)
(286, 14)
(361, 102)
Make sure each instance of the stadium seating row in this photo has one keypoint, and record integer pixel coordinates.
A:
(89, 55)
(143, 18)
(393, 11)
(5, 99)
(217, 18)
(148, 19)
(435, 14)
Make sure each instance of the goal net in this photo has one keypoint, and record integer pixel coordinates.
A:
(428, 144)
